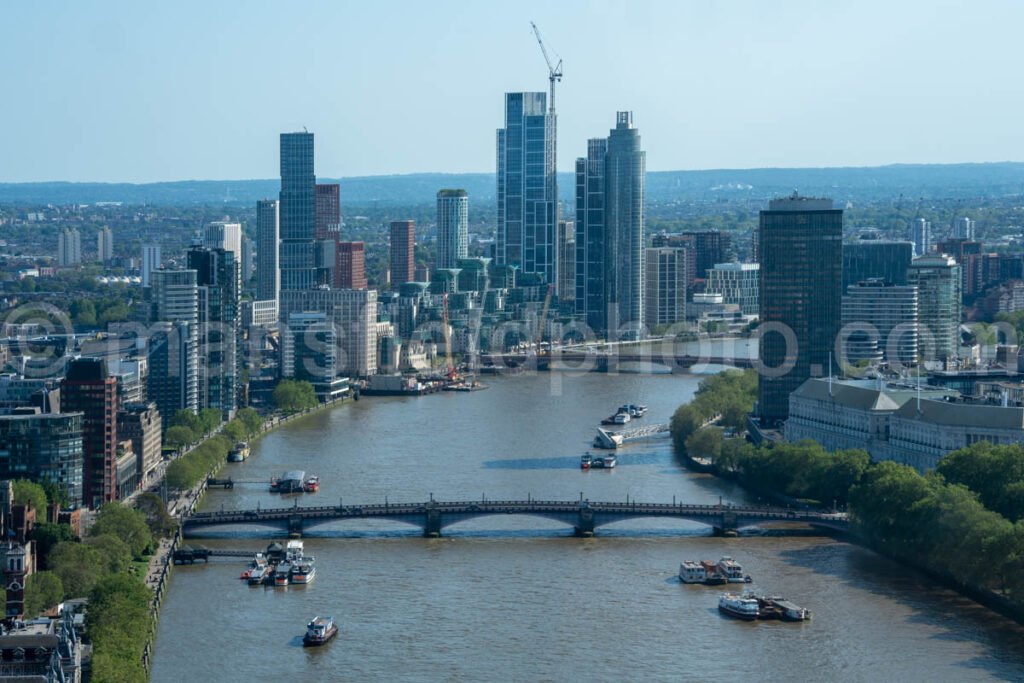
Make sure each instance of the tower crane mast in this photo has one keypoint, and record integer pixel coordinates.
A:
(554, 70)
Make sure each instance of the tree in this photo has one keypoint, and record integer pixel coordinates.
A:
(117, 555)
(126, 524)
(235, 431)
(291, 396)
(43, 590)
(117, 621)
(79, 567)
(705, 443)
(30, 493)
(47, 536)
(160, 522)
(209, 419)
(83, 312)
(186, 418)
(178, 436)
(56, 493)
(251, 419)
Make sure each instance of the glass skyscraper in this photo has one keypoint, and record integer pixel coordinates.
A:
(527, 186)
(452, 227)
(590, 242)
(297, 212)
(625, 168)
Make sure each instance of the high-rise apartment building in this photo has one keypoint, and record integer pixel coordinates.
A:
(452, 227)
(350, 266)
(705, 249)
(87, 388)
(247, 259)
(921, 236)
(665, 281)
(800, 243)
(104, 245)
(963, 228)
(224, 235)
(309, 349)
(44, 447)
(173, 356)
(566, 289)
(353, 314)
(737, 283)
(625, 172)
(403, 248)
(268, 240)
(219, 310)
(69, 247)
(175, 296)
(297, 212)
(527, 186)
(880, 322)
(150, 262)
(937, 278)
(328, 211)
(876, 259)
(591, 257)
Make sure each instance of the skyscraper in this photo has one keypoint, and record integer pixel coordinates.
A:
(566, 265)
(328, 211)
(69, 247)
(219, 287)
(963, 229)
(89, 389)
(104, 244)
(350, 266)
(921, 236)
(150, 262)
(297, 212)
(625, 169)
(268, 240)
(800, 243)
(527, 186)
(174, 346)
(452, 227)
(591, 269)
(937, 277)
(665, 280)
(224, 235)
(403, 247)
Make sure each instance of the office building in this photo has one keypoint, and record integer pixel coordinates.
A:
(353, 313)
(704, 248)
(141, 424)
(963, 229)
(591, 264)
(566, 240)
(866, 259)
(665, 280)
(150, 262)
(89, 389)
(937, 278)
(297, 212)
(173, 357)
(452, 227)
(132, 375)
(104, 245)
(800, 243)
(69, 247)
(44, 447)
(224, 235)
(268, 240)
(350, 266)
(880, 323)
(403, 252)
(18, 391)
(625, 178)
(220, 315)
(175, 296)
(921, 236)
(737, 283)
(328, 211)
(309, 348)
(247, 260)
(527, 186)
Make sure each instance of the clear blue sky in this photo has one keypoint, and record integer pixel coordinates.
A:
(145, 91)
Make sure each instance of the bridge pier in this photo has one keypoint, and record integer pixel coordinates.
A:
(727, 527)
(432, 524)
(585, 523)
(295, 527)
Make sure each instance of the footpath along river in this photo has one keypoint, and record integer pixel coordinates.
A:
(519, 598)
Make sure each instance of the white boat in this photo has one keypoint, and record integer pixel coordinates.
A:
(293, 551)
(319, 630)
(610, 461)
(739, 606)
(620, 418)
(633, 410)
(303, 573)
(692, 572)
(282, 574)
(732, 570)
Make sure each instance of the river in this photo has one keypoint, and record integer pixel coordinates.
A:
(519, 598)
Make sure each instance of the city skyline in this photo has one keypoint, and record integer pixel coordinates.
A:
(706, 119)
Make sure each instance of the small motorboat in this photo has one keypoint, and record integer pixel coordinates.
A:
(320, 630)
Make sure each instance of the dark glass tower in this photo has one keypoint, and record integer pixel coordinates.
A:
(800, 242)
(219, 281)
(527, 186)
(298, 212)
(876, 259)
(625, 168)
(590, 242)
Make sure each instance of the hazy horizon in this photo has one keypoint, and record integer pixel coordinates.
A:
(126, 93)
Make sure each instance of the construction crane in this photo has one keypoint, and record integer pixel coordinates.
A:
(554, 72)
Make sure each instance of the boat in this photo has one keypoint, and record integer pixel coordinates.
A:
(715, 575)
(585, 461)
(255, 563)
(732, 570)
(239, 452)
(620, 418)
(319, 630)
(633, 410)
(692, 572)
(302, 573)
(258, 575)
(281, 574)
(294, 551)
(780, 608)
(739, 606)
(312, 484)
(289, 482)
(610, 461)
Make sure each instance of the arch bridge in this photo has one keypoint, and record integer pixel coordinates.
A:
(584, 516)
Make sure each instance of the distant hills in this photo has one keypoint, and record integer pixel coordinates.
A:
(846, 183)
